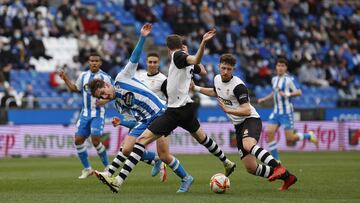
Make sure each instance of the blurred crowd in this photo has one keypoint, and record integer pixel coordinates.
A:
(320, 39)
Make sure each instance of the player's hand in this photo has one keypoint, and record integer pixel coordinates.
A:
(210, 34)
(61, 73)
(115, 121)
(146, 29)
(283, 94)
(222, 105)
(261, 100)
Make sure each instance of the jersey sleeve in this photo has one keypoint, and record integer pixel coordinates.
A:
(78, 82)
(128, 72)
(163, 88)
(293, 87)
(241, 93)
(108, 80)
(180, 59)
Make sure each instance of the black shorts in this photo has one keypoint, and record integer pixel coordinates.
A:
(184, 117)
(251, 127)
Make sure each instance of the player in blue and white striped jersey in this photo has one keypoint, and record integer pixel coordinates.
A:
(91, 121)
(283, 114)
(132, 96)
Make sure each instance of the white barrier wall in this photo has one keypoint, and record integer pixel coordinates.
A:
(57, 140)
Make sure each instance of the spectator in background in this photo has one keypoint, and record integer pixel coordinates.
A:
(8, 100)
(29, 99)
(73, 24)
(36, 46)
(169, 11)
(143, 12)
(90, 23)
(7, 59)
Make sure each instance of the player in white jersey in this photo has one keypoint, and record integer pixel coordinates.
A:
(153, 78)
(134, 97)
(180, 110)
(233, 98)
(91, 121)
(283, 114)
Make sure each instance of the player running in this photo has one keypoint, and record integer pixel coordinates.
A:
(283, 114)
(91, 121)
(134, 97)
(234, 100)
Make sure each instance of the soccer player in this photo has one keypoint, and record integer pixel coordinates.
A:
(133, 96)
(283, 114)
(233, 98)
(180, 111)
(91, 121)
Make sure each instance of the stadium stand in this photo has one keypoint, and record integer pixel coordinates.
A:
(319, 38)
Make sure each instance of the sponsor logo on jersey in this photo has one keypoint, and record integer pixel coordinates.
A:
(225, 101)
(129, 99)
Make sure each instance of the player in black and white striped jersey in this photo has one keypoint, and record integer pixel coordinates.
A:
(234, 100)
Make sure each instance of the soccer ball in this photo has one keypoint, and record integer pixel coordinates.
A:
(219, 183)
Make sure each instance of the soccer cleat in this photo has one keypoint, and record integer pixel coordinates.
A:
(108, 180)
(288, 182)
(156, 168)
(229, 167)
(162, 173)
(185, 184)
(313, 138)
(86, 172)
(279, 171)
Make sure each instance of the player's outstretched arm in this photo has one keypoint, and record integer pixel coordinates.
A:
(196, 59)
(72, 87)
(202, 70)
(145, 31)
(266, 98)
(131, 66)
(203, 90)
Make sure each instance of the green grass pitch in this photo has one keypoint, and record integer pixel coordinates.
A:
(323, 177)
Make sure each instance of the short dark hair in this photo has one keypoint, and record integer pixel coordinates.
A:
(174, 42)
(282, 60)
(154, 54)
(94, 85)
(95, 54)
(228, 59)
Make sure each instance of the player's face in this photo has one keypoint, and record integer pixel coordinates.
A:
(281, 68)
(226, 71)
(106, 92)
(94, 63)
(152, 64)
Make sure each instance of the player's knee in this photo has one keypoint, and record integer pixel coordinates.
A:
(165, 157)
(95, 141)
(247, 146)
(78, 141)
(126, 151)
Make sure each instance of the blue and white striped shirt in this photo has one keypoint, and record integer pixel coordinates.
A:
(89, 107)
(285, 83)
(133, 96)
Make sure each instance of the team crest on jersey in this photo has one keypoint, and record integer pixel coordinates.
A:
(129, 99)
(86, 88)
(246, 133)
(225, 101)
(227, 91)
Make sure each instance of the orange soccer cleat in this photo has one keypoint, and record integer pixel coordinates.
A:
(291, 180)
(279, 171)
